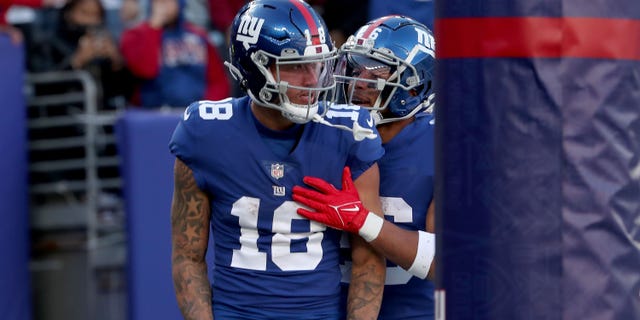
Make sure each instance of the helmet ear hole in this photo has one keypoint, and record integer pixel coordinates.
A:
(265, 95)
(418, 89)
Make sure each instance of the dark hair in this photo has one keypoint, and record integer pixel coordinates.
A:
(72, 4)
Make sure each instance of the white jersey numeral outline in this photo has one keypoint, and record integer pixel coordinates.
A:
(401, 212)
(215, 110)
(249, 255)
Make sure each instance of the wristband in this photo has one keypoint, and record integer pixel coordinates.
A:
(424, 256)
(371, 227)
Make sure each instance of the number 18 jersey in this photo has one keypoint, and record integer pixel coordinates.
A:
(269, 261)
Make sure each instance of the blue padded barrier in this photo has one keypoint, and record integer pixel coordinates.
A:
(15, 294)
(537, 159)
(147, 169)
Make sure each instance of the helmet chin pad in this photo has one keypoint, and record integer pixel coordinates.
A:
(299, 113)
(275, 97)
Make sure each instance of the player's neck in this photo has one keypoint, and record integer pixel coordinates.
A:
(271, 118)
(391, 129)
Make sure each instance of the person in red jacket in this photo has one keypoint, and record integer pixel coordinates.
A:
(222, 13)
(175, 60)
(14, 33)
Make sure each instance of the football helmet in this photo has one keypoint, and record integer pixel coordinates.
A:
(270, 38)
(387, 66)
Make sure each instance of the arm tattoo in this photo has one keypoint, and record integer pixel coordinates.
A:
(190, 233)
(365, 293)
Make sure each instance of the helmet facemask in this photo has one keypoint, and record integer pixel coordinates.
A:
(383, 80)
(365, 81)
(298, 103)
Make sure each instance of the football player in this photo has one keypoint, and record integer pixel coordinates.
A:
(387, 67)
(237, 161)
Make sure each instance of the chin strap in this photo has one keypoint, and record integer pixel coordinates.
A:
(359, 133)
(426, 106)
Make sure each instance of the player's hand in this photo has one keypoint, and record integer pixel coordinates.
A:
(340, 209)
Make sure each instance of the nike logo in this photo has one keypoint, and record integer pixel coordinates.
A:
(187, 114)
(355, 208)
(370, 121)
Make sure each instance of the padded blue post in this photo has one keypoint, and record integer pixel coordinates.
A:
(15, 293)
(538, 159)
(147, 170)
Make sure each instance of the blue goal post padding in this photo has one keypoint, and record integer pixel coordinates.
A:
(15, 292)
(538, 159)
(147, 171)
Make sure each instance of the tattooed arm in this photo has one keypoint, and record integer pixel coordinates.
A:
(369, 267)
(190, 214)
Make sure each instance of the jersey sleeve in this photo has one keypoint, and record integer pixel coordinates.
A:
(186, 139)
(363, 154)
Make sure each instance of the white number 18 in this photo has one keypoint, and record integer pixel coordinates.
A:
(249, 255)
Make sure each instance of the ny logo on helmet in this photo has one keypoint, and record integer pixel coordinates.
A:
(427, 40)
(249, 30)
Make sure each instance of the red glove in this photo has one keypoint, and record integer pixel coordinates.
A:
(340, 209)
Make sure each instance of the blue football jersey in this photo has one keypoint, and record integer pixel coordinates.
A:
(270, 263)
(406, 190)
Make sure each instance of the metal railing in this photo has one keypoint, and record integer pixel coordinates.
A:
(67, 138)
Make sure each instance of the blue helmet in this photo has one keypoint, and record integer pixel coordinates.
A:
(398, 54)
(267, 35)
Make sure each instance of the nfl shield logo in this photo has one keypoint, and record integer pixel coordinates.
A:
(277, 170)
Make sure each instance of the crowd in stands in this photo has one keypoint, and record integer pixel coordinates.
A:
(152, 55)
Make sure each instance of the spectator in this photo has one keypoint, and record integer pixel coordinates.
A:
(222, 13)
(175, 61)
(130, 13)
(14, 33)
(80, 41)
